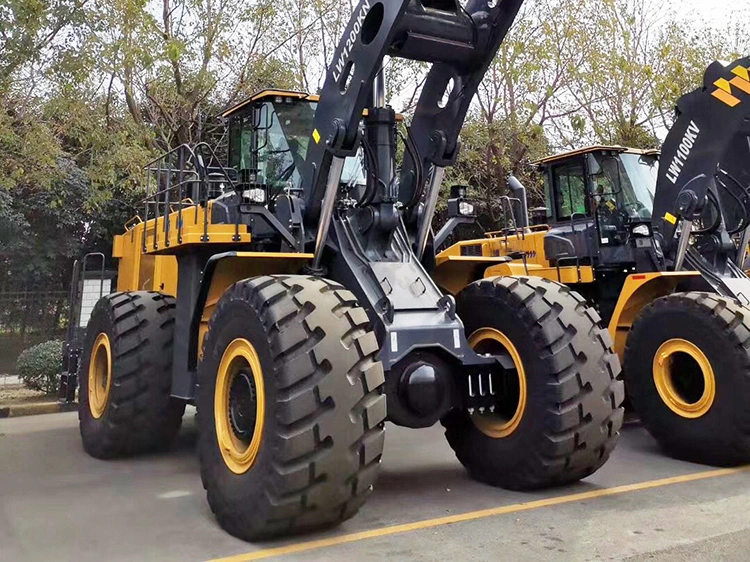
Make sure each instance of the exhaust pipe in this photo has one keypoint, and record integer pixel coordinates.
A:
(519, 191)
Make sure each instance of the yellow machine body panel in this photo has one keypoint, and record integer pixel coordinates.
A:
(529, 241)
(452, 273)
(470, 260)
(639, 290)
(455, 269)
(190, 226)
(497, 244)
(244, 265)
(154, 268)
(566, 275)
(143, 272)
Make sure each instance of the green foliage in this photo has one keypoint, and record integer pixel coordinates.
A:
(29, 28)
(637, 58)
(49, 226)
(490, 152)
(28, 148)
(39, 366)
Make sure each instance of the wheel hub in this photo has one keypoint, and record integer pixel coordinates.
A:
(684, 378)
(99, 375)
(239, 406)
(243, 405)
(508, 386)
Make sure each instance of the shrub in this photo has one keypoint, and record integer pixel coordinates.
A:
(39, 366)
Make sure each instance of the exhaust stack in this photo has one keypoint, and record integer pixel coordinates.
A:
(519, 191)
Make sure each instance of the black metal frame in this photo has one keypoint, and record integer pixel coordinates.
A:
(708, 145)
(73, 340)
(376, 250)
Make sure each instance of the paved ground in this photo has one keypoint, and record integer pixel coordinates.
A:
(58, 504)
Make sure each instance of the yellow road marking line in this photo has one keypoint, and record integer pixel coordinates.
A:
(474, 515)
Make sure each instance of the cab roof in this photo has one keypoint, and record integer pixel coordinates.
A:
(595, 148)
(263, 94)
(269, 94)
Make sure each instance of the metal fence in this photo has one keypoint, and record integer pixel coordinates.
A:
(28, 318)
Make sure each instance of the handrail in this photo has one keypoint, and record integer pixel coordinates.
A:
(180, 177)
(588, 242)
(131, 222)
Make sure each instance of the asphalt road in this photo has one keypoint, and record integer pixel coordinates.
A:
(58, 504)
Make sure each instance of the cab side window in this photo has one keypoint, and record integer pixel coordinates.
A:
(570, 190)
(548, 197)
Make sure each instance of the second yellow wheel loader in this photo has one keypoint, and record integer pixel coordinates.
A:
(657, 245)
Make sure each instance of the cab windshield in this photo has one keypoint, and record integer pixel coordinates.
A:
(626, 184)
(283, 138)
(623, 193)
(641, 172)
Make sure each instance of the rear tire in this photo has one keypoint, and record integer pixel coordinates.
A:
(128, 410)
(570, 413)
(697, 413)
(318, 433)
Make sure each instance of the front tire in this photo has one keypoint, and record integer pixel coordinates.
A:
(560, 413)
(687, 371)
(125, 375)
(298, 445)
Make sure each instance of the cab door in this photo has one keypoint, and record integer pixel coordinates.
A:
(573, 236)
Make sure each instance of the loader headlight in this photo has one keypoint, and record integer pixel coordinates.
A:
(458, 206)
(255, 195)
(459, 191)
(466, 209)
(642, 230)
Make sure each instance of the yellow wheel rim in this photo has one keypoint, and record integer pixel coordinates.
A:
(495, 424)
(684, 378)
(239, 406)
(100, 375)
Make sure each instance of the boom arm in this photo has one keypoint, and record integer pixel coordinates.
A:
(459, 42)
(374, 246)
(704, 180)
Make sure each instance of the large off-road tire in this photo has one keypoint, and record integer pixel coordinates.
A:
(290, 406)
(125, 376)
(687, 371)
(560, 413)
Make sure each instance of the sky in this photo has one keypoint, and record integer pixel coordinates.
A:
(712, 11)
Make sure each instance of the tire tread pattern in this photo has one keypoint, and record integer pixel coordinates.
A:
(141, 416)
(329, 407)
(584, 414)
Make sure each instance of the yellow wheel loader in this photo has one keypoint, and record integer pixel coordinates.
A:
(285, 291)
(656, 243)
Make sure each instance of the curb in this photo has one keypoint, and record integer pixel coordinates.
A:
(18, 410)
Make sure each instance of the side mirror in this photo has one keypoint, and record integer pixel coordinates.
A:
(611, 170)
(593, 165)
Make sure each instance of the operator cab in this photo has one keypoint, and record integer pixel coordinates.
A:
(269, 134)
(599, 202)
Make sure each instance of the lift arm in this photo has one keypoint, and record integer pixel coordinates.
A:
(459, 42)
(702, 204)
(375, 246)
